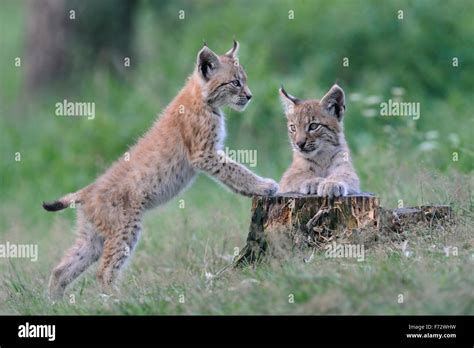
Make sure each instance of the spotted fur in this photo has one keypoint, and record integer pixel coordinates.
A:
(321, 159)
(185, 140)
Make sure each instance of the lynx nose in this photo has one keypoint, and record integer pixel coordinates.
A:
(248, 93)
(301, 144)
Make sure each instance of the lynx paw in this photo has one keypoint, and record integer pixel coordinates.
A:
(310, 186)
(331, 188)
(267, 187)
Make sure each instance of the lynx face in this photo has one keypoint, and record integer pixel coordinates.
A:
(224, 80)
(321, 161)
(184, 140)
(314, 125)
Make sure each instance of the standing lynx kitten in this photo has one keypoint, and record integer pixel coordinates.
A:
(187, 138)
(321, 161)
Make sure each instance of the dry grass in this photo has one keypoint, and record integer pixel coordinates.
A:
(181, 247)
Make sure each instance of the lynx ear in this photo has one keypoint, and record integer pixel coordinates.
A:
(234, 51)
(334, 102)
(288, 101)
(207, 62)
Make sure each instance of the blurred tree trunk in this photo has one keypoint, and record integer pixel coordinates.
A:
(45, 42)
(60, 42)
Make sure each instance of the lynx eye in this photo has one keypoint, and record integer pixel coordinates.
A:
(314, 126)
(235, 83)
(292, 128)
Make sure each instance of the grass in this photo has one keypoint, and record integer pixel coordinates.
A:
(404, 161)
(180, 246)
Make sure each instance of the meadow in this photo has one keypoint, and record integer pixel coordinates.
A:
(405, 161)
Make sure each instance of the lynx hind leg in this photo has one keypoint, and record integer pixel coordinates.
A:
(117, 250)
(86, 250)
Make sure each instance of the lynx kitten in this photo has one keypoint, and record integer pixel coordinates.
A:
(321, 160)
(186, 139)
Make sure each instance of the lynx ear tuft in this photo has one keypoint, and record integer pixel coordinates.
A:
(288, 101)
(334, 102)
(234, 51)
(207, 62)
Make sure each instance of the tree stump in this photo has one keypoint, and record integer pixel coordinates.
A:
(293, 222)
(399, 219)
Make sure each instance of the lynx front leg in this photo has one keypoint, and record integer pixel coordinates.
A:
(339, 184)
(301, 182)
(234, 175)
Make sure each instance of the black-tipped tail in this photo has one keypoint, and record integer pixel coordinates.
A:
(54, 206)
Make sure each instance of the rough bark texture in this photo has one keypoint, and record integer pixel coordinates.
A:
(287, 223)
(397, 220)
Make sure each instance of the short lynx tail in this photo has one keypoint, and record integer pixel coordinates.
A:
(62, 203)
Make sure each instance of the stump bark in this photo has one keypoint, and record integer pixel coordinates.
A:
(292, 222)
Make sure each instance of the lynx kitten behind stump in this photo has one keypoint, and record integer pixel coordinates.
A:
(321, 159)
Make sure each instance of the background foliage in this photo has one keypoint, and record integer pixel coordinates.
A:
(396, 157)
